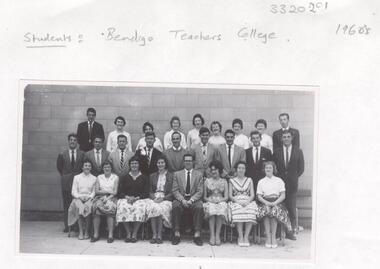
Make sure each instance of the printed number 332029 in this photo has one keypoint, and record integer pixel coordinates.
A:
(312, 7)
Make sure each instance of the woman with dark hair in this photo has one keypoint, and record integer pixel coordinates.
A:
(159, 207)
(241, 139)
(242, 205)
(266, 140)
(193, 135)
(215, 195)
(148, 127)
(216, 138)
(271, 194)
(105, 200)
(131, 206)
(175, 124)
(112, 136)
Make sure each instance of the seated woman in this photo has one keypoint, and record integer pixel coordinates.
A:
(175, 124)
(216, 138)
(266, 140)
(148, 127)
(83, 191)
(215, 195)
(159, 207)
(112, 137)
(193, 135)
(131, 206)
(271, 194)
(243, 208)
(104, 203)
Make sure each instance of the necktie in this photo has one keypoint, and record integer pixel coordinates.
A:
(122, 157)
(229, 155)
(72, 159)
(148, 155)
(204, 152)
(287, 157)
(257, 155)
(98, 158)
(188, 183)
(89, 131)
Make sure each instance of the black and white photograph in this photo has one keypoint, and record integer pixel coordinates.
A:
(168, 170)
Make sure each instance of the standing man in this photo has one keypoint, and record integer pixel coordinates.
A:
(119, 158)
(230, 154)
(290, 165)
(277, 135)
(148, 155)
(69, 164)
(188, 193)
(88, 130)
(204, 153)
(97, 156)
(175, 154)
(256, 156)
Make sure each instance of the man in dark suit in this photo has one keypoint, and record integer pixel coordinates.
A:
(97, 156)
(290, 166)
(69, 164)
(188, 193)
(204, 153)
(148, 155)
(277, 135)
(88, 130)
(255, 157)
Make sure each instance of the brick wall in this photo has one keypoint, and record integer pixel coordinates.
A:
(51, 112)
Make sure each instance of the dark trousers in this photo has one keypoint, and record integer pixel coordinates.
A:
(291, 204)
(66, 196)
(196, 210)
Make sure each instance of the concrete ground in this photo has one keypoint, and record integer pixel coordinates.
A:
(47, 237)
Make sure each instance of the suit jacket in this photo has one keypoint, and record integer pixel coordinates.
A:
(146, 167)
(277, 138)
(64, 168)
(222, 156)
(114, 158)
(90, 155)
(255, 170)
(294, 170)
(84, 140)
(153, 179)
(200, 165)
(196, 185)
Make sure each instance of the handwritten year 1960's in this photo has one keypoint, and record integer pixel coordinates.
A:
(352, 29)
(311, 7)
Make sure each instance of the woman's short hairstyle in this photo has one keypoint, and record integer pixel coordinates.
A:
(262, 121)
(173, 119)
(218, 123)
(218, 165)
(200, 117)
(107, 163)
(273, 165)
(240, 162)
(237, 121)
(146, 124)
(86, 161)
(163, 157)
(119, 118)
(72, 135)
(134, 159)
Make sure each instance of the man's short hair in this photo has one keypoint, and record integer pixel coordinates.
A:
(122, 136)
(200, 117)
(119, 118)
(188, 155)
(98, 136)
(284, 114)
(177, 134)
(287, 132)
(203, 130)
(173, 119)
(229, 131)
(262, 121)
(72, 135)
(255, 133)
(237, 121)
(150, 134)
(91, 109)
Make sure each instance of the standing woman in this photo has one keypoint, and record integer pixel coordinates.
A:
(216, 138)
(175, 124)
(271, 194)
(193, 134)
(112, 137)
(148, 127)
(159, 208)
(104, 203)
(215, 195)
(83, 191)
(242, 205)
(131, 206)
(266, 140)
(241, 139)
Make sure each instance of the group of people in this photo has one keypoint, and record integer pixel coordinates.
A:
(230, 179)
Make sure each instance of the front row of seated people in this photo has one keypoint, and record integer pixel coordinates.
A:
(163, 198)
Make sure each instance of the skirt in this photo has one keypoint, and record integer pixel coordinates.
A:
(216, 209)
(238, 213)
(78, 208)
(127, 212)
(104, 208)
(279, 212)
(163, 209)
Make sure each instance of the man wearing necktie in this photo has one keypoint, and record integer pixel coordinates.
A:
(148, 155)
(88, 130)
(277, 135)
(290, 165)
(120, 157)
(69, 164)
(97, 156)
(256, 156)
(188, 193)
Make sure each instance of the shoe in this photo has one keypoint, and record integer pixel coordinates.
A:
(94, 239)
(80, 237)
(198, 241)
(159, 241)
(66, 230)
(133, 240)
(291, 236)
(274, 246)
(218, 242)
(153, 241)
(86, 237)
(176, 240)
(127, 240)
(268, 245)
(110, 240)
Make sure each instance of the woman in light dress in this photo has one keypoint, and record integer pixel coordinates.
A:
(271, 194)
(148, 127)
(266, 140)
(243, 208)
(215, 196)
(159, 207)
(83, 191)
(216, 138)
(112, 136)
(175, 124)
(193, 135)
(105, 201)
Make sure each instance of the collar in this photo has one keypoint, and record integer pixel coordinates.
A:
(100, 150)
(90, 122)
(139, 174)
(124, 150)
(176, 149)
(75, 150)
(191, 170)
(204, 145)
(285, 129)
(290, 147)
(254, 147)
(232, 146)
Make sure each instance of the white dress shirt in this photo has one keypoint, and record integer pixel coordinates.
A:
(83, 185)
(290, 153)
(232, 152)
(254, 153)
(270, 186)
(168, 139)
(217, 140)
(75, 154)
(267, 142)
(96, 156)
(112, 140)
(242, 140)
